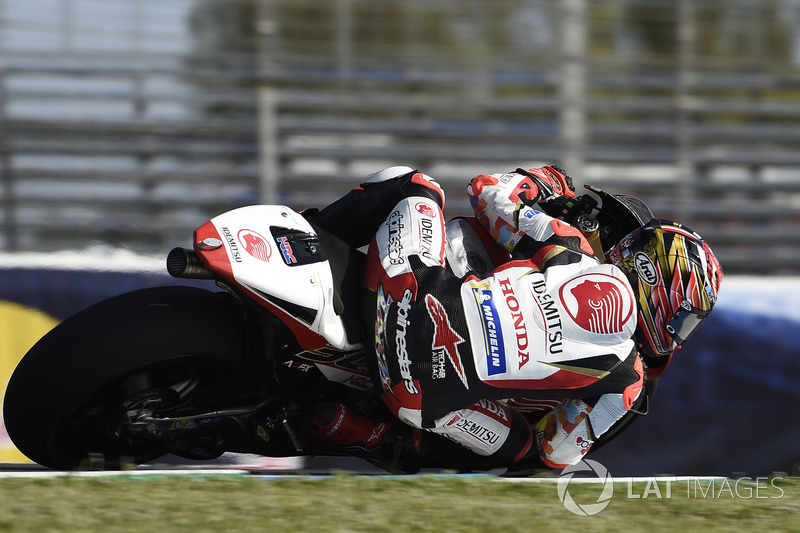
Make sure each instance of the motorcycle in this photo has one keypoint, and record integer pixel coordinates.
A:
(199, 372)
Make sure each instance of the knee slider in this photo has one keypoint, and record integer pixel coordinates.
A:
(407, 182)
(389, 174)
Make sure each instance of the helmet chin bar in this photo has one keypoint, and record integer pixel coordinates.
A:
(680, 327)
(647, 345)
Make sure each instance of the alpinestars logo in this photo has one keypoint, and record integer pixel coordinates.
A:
(385, 301)
(395, 241)
(445, 337)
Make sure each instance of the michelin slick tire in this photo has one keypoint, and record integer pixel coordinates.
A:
(66, 398)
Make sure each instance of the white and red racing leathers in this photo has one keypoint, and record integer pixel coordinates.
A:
(454, 354)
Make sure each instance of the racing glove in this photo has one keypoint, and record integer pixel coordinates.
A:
(551, 181)
(506, 204)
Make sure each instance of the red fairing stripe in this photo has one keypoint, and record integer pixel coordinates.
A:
(215, 260)
(308, 339)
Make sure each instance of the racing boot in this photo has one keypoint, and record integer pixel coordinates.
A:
(336, 429)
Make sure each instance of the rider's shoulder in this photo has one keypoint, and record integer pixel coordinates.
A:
(589, 269)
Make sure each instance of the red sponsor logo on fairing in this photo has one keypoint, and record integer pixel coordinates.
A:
(445, 338)
(254, 244)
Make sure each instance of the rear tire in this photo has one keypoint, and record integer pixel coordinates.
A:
(67, 397)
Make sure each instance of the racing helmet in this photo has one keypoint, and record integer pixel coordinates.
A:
(675, 277)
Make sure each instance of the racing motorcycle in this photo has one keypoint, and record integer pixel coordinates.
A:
(198, 372)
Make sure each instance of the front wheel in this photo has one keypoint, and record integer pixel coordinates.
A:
(67, 398)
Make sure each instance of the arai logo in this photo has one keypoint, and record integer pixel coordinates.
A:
(645, 268)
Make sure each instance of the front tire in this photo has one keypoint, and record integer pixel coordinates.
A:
(66, 398)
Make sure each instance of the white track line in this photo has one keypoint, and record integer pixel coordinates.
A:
(260, 474)
(123, 473)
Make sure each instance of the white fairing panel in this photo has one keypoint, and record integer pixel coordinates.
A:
(264, 262)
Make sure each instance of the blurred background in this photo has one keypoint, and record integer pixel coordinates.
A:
(126, 124)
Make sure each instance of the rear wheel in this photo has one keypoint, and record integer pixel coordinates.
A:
(68, 398)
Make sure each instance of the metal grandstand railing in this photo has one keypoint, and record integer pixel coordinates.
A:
(138, 144)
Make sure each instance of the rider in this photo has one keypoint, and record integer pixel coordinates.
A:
(452, 355)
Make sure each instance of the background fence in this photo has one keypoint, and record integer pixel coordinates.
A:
(130, 123)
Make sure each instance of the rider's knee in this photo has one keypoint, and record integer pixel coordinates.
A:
(407, 182)
(389, 174)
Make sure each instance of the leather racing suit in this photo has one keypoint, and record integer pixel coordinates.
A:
(453, 354)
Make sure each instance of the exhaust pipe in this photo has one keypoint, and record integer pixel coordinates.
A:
(184, 263)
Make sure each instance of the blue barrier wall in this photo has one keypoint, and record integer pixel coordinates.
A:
(727, 403)
(725, 406)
